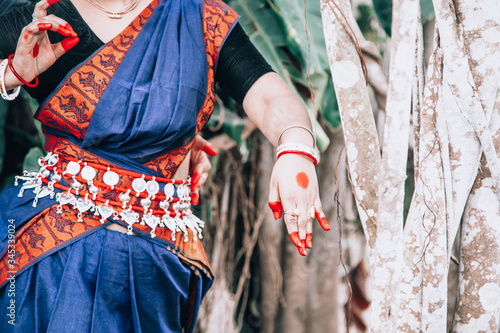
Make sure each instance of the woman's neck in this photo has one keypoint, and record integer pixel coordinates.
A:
(100, 22)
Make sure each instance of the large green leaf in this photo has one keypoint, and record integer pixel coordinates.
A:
(291, 13)
(427, 10)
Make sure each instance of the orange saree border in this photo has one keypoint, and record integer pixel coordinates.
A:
(78, 96)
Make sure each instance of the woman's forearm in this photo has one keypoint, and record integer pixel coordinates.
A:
(274, 107)
(11, 82)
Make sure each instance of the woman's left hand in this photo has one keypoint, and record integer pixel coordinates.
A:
(199, 165)
(294, 191)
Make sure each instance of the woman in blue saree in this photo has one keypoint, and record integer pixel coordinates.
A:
(101, 238)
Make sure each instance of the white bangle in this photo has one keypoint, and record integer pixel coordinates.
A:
(3, 90)
(297, 126)
(297, 148)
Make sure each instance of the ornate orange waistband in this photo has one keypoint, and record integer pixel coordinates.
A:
(116, 194)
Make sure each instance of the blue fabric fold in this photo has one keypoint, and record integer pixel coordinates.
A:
(106, 282)
(151, 103)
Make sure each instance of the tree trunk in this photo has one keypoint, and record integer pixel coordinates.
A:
(478, 303)
(387, 252)
(360, 134)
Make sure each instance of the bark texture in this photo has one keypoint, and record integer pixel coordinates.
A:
(457, 170)
(387, 254)
(360, 135)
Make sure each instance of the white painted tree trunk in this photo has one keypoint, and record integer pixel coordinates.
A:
(387, 254)
(478, 302)
(456, 122)
(360, 135)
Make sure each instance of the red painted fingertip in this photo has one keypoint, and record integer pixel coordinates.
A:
(69, 28)
(302, 251)
(209, 149)
(195, 198)
(68, 43)
(51, 2)
(35, 50)
(194, 181)
(276, 208)
(309, 241)
(294, 236)
(44, 26)
(65, 32)
(322, 221)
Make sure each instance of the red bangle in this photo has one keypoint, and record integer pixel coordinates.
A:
(311, 156)
(26, 83)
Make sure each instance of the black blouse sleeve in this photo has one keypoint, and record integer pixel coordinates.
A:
(11, 25)
(240, 65)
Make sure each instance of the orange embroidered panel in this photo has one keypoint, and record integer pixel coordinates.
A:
(44, 233)
(71, 108)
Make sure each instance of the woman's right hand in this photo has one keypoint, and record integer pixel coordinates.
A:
(34, 53)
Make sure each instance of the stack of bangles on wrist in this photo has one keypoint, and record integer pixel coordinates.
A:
(297, 148)
(115, 194)
(3, 90)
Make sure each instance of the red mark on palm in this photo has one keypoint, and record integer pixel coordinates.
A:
(302, 179)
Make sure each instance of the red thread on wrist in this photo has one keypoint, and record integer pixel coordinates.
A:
(23, 81)
(311, 156)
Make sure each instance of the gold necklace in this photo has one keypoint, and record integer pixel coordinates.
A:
(114, 14)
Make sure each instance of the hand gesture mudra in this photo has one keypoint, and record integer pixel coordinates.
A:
(35, 53)
(294, 191)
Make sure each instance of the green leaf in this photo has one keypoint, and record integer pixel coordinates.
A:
(31, 159)
(383, 9)
(232, 124)
(292, 16)
(427, 10)
(329, 108)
